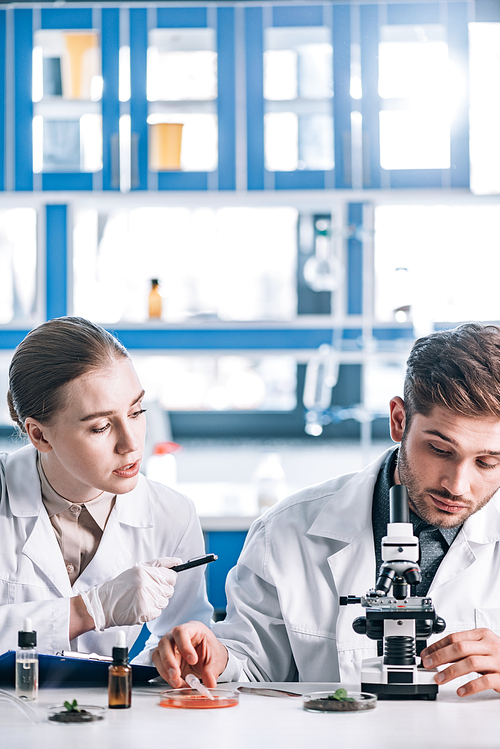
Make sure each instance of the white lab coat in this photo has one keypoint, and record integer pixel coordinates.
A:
(284, 621)
(149, 522)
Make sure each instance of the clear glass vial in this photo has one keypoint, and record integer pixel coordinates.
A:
(27, 663)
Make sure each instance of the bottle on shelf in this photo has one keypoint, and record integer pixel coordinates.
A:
(27, 663)
(269, 478)
(120, 675)
(155, 300)
(162, 465)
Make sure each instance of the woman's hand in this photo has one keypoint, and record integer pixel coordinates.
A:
(476, 650)
(190, 648)
(135, 596)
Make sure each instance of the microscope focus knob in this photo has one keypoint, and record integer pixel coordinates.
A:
(439, 625)
(359, 625)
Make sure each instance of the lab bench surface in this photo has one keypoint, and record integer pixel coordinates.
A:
(263, 722)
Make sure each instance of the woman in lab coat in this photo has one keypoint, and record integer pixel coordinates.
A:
(87, 541)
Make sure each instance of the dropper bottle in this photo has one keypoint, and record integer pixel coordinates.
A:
(120, 675)
(27, 663)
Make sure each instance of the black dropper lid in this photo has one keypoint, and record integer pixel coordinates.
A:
(26, 636)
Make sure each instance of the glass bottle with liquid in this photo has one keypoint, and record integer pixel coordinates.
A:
(120, 675)
(155, 300)
(27, 663)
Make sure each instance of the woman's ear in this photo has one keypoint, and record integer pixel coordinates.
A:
(397, 418)
(35, 432)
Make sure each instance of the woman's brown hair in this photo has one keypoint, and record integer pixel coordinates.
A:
(51, 355)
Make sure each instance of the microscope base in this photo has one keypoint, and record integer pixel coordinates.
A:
(401, 691)
(393, 682)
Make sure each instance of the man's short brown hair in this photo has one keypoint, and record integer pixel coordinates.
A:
(456, 369)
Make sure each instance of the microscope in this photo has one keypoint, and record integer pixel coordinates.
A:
(399, 622)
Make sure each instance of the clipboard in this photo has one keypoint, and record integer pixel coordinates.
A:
(56, 671)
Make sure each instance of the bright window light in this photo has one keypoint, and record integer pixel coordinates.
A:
(37, 74)
(91, 142)
(37, 144)
(281, 137)
(18, 265)
(125, 143)
(484, 70)
(426, 263)
(225, 264)
(219, 383)
(421, 93)
(124, 74)
(280, 74)
(414, 139)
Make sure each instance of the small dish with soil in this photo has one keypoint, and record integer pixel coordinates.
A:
(72, 712)
(340, 701)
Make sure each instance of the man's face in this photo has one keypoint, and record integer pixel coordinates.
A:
(449, 463)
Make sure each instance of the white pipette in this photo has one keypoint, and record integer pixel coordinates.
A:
(195, 683)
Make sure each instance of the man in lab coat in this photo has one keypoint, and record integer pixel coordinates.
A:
(284, 622)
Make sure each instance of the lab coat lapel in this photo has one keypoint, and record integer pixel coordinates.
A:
(347, 518)
(481, 528)
(25, 499)
(43, 550)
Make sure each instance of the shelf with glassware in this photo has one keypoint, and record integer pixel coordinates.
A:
(119, 99)
(349, 96)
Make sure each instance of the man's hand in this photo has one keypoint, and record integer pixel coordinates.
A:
(190, 648)
(476, 650)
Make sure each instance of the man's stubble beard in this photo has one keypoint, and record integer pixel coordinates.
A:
(425, 509)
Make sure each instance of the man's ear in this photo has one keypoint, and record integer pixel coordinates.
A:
(35, 432)
(397, 418)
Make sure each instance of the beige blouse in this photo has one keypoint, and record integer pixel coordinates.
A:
(78, 527)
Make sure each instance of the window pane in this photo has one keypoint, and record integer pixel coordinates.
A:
(426, 263)
(298, 87)
(18, 266)
(484, 69)
(182, 91)
(414, 140)
(420, 95)
(182, 65)
(219, 383)
(66, 91)
(225, 264)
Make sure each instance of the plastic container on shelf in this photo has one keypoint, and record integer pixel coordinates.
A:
(269, 478)
(162, 465)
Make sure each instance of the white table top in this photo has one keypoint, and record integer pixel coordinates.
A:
(261, 723)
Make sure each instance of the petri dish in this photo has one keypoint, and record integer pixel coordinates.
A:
(84, 714)
(324, 702)
(191, 699)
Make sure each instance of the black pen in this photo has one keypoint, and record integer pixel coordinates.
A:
(195, 562)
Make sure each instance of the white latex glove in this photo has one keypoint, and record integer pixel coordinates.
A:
(136, 596)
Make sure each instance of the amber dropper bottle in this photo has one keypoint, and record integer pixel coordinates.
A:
(120, 675)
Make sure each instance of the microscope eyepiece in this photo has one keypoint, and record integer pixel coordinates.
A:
(399, 508)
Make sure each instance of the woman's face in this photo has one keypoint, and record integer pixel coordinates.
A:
(95, 442)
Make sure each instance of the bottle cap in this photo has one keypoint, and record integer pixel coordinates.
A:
(27, 636)
(165, 448)
(120, 651)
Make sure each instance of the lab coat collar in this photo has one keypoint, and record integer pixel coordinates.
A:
(484, 526)
(349, 512)
(25, 496)
(23, 482)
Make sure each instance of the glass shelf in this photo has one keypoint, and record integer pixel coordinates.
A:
(182, 99)
(66, 92)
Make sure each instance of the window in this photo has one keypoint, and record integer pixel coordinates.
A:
(298, 91)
